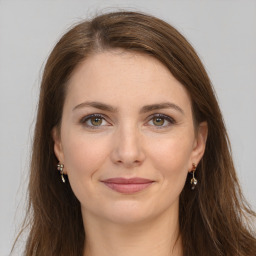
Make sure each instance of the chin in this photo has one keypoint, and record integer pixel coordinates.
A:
(129, 218)
(124, 213)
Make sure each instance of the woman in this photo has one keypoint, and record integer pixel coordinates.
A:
(130, 153)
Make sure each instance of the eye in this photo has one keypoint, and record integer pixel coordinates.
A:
(160, 120)
(94, 121)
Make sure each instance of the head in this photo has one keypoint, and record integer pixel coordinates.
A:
(126, 116)
(128, 39)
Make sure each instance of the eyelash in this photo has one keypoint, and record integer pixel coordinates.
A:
(89, 117)
(169, 119)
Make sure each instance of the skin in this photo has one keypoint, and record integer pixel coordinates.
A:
(128, 143)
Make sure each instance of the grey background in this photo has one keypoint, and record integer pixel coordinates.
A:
(222, 32)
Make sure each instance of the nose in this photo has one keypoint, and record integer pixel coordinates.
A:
(127, 148)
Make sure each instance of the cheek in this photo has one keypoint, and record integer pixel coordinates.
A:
(172, 158)
(84, 153)
(83, 158)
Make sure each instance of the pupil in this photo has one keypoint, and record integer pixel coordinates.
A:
(158, 121)
(96, 121)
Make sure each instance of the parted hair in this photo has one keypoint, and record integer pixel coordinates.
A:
(214, 219)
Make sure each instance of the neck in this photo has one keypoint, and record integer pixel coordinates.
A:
(153, 237)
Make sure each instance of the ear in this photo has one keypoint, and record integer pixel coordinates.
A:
(57, 144)
(199, 143)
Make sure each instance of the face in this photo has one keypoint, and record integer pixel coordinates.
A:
(127, 139)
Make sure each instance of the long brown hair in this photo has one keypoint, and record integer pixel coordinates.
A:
(214, 219)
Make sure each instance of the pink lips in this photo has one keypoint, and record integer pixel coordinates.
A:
(127, 186)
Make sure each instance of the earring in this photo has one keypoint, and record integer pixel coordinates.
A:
(193, 181)
(60, 168)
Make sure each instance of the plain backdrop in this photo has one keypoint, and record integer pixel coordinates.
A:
(222, 32)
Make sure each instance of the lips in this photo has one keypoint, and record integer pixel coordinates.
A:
(127, 186)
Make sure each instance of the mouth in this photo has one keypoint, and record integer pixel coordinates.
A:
(128, 186)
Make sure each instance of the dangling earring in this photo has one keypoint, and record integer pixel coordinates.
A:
(193, 181)
(60, 168)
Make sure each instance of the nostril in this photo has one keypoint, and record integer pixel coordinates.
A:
(128, 148)
(129, 163)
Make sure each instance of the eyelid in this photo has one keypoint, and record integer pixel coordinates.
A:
(169, 119)
(84, 119)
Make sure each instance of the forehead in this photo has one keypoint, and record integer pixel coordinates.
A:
(122, 77)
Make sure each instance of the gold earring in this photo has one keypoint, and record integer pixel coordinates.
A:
(60, 168)
(193, 181)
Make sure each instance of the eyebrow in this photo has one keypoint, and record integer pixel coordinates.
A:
(144, 109)
(164, 105)
(95, 104)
